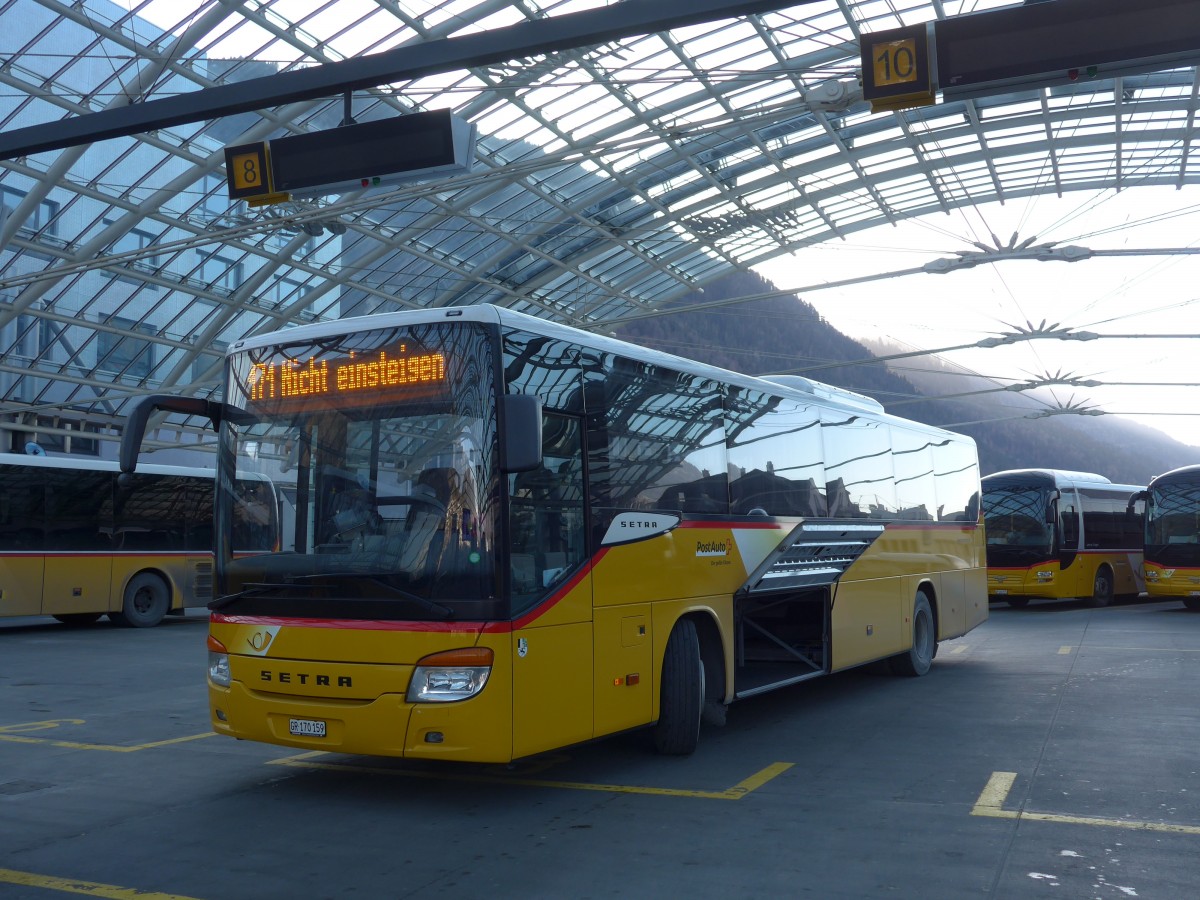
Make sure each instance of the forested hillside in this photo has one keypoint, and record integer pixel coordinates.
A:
(787, 334)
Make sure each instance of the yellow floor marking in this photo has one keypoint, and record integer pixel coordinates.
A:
(960, 648)
(737, 792)
(73, 886)
(11, 733)
(995, 792)
(1063, 651)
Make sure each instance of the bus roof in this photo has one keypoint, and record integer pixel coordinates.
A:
(1183, 473)
(785, 385)
(1059, 478)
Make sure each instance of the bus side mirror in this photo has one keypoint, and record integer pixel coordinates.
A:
(135, 422)
(522, 447)
(1144, 496)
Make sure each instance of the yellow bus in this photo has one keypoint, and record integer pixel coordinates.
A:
(1053, 534)
(512, 536)
(1172, 539)
(79, 541)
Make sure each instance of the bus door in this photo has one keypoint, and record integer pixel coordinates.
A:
(1069, 533)
(22, 505)
(551, 595)
(79, 542)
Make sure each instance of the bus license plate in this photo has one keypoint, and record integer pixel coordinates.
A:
(306, 727)
(1001, 591)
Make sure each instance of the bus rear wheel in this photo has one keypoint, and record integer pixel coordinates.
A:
(681, 699)
(147, 599)
(1102, 588)
(919, 658)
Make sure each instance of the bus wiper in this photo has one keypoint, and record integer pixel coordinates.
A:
(432, 605)
(251, 590)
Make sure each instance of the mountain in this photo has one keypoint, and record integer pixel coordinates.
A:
(785, 333)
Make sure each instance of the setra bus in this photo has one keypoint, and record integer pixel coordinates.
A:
(511, 536)
(78, 540)
(1053, 534)
(1172, 539)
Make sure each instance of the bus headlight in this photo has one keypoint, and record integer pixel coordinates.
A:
(449, 676)
(218, 663)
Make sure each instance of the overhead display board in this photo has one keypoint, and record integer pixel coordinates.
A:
(371, 154)
(1059, 42)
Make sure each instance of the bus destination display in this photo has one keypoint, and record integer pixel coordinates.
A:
(390, 375)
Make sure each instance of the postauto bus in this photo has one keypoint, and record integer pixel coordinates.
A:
(511, 536)
(1053, 534)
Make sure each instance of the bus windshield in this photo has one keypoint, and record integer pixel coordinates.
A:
(383, 445)
(1173, 523)
(1015, 519)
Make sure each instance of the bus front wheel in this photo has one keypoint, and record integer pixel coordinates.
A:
(1018, 602)
(1102, 589)
(919, 657)
(147, 600)
(1192, 603)
(681, 698)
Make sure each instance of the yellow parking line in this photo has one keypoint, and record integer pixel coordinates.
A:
(74, 886)
(1064, 651)
(995, 792)
(11, 734)
(737, 792)
(959, 649)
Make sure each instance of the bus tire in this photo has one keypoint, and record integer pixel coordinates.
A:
(78, 620)
(918, 659)
(1102, 588)
(1192, 603)
(147, 600)
(681, 697)
(1018, 602)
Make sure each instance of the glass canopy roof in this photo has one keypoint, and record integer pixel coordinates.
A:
(606, 181)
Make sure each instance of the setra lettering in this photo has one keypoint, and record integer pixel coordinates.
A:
(342, 681)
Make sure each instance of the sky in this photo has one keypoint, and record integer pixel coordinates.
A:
(1136, 294)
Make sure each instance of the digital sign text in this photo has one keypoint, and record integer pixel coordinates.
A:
(355, 380)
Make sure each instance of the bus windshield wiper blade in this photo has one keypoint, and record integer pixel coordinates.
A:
(250, 590)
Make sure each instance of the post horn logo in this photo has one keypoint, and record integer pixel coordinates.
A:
(259, 640)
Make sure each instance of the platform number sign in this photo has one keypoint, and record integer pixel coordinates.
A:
(895, 62)
(895, 68)
(246, 171)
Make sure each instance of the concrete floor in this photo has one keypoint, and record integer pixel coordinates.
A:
(1053, 752)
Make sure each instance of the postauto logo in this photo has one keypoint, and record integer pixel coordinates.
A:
(714, 548)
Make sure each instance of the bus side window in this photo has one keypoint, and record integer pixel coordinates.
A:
(1069, 525)
(547, 524)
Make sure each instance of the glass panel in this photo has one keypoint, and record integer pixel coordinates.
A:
(956, 480)
(659, 441)
(912, 458)
(1174, 517)
(22, 508)
(77, 503)
(1016, 517)
(546, 513)
(383, 447)
(858, 466)
(775, 452)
